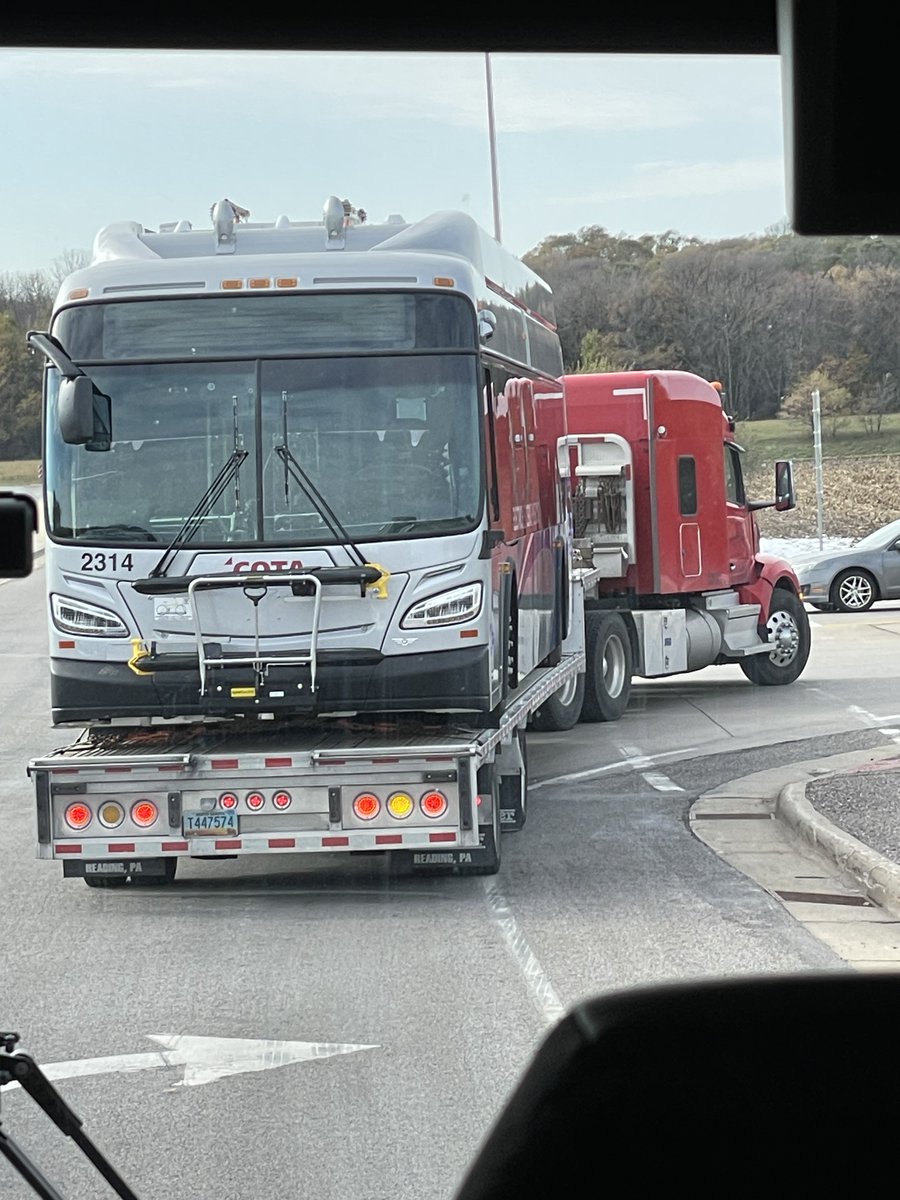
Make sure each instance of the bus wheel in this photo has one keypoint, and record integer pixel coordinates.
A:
(562, 710)
(609, 666)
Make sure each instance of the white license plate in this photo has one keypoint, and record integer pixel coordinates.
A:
(209, 824)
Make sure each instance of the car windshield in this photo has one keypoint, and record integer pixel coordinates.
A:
(880, 537)
(411, 654)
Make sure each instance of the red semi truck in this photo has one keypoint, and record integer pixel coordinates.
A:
(667, 544)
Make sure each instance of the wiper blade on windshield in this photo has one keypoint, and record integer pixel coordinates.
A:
(323, 508)
(205, 504)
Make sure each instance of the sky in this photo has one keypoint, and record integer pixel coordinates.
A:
(635, 144)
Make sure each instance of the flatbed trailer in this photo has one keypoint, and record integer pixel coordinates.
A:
(128, 803)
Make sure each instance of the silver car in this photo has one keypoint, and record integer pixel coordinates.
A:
(851, 580)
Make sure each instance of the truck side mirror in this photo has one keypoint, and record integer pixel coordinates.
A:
(84, 414)
(18, 523)
(784, 486)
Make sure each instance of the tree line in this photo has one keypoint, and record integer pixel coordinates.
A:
(771, 317)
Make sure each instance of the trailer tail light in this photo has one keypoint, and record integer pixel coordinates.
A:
(144, 813)
(255, 800)
(228, 800)
(400, 805)
(366, 806)
(111, 814)
(282, 799)
(433, 804)
(78, 816)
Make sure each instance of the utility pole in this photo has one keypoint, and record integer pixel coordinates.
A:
(492, 134)
(817, 451)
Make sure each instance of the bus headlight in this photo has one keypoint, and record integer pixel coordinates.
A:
(447, 608)
(74, 616)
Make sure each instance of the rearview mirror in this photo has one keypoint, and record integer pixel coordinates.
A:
(18, 524)
(758, 1080)
(85, 415)
(784, 486)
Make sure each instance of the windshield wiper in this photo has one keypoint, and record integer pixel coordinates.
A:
(322, 507)
(205, 504)
(18, 1067)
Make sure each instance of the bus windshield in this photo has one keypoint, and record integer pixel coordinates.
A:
(390, 441)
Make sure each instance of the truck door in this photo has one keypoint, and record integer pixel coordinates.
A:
(741, 528)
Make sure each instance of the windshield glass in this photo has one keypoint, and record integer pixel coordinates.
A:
(422, 659)
(391, 443)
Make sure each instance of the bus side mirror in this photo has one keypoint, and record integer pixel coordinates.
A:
(85, 415)
(784, 486)
(18, 524)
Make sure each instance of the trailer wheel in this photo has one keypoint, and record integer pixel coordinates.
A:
(607, 679)
(788, 629)
(563, 709)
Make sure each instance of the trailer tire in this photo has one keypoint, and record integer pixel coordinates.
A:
(563, 709)
(105, 881)
(789, 623)
(610, 663)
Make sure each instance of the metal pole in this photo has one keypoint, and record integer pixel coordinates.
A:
(492, 135)
(817, 450)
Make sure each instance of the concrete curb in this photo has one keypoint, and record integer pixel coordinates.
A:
(877, 876)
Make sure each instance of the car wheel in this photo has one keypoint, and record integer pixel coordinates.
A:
(854, 590)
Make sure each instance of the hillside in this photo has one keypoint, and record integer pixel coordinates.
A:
(860, 493)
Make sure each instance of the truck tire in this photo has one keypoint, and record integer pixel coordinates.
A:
(563, 709)
(608, 654)
(788, 626)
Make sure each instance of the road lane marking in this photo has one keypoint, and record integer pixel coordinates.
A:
(536, 979)
(205, 1059)
(633, 763)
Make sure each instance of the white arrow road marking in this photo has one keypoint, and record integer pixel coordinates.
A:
(205, 1059)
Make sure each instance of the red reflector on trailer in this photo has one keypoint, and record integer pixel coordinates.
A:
(68, 849)
(121, 847)
(385, 760)
(224, 764)
(113, 770)
(279, 762)
(282, 843)
(388, 839)
(173, 846)
(442, 837)
(228, 844)
(335, 841)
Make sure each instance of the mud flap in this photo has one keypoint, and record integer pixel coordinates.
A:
(113, 867)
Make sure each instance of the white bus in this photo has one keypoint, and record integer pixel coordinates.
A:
(301, 467)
